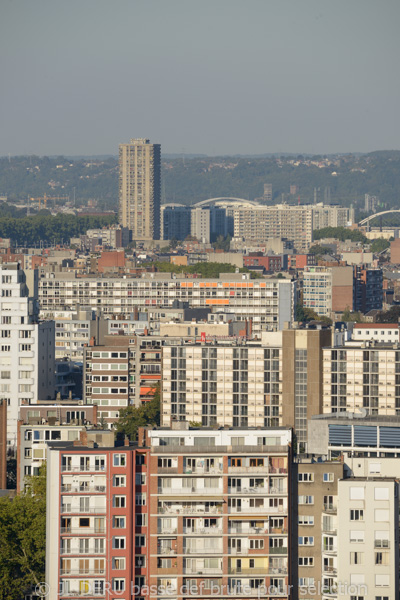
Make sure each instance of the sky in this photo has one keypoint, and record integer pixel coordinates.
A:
(78, 77)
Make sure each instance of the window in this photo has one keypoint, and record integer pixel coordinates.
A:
(140, 520)
(381, 493)
(119, 460)
(119, 522)
(84, 522)
(256, 544)
(119, 501)
(118, 543)
(306, 561)
(328, 478)
(140, 499)
(306, 499)
(306, 520)
(140, 541)
(306, 477)
(140, 479)
(382, 580)
(99, 546)
(119, 481)
(84, 546)
(356, 536)
(140, 561)
(381, 558)
(356, 493)
(118, 585)
(381, 515)
(118, 563)
(306, 541)
(356, 515)
(356, 558)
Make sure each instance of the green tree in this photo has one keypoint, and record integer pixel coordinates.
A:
(23, 539)
(133, 417)
(379, 245)
(390, 316)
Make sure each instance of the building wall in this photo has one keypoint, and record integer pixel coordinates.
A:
(3, 444)
(368, 519)
(302, 363)
(268, 303)
(140, 188)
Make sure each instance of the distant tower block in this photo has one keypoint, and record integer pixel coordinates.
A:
(267, 192)
(294, 189)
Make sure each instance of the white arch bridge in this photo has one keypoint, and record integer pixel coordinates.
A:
(371, 217)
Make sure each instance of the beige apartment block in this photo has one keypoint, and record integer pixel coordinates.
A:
(362, 378)
(368, 545)
(140, 188)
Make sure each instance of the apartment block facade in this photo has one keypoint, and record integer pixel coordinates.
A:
(268, 303)
(97, 520)
(277, 382)
(262, 223)
(328, 289)
(363, 377)
(140, 188)
(184, 513)
(368, 526)
(26, 348)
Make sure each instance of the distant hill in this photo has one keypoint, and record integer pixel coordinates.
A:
(342, 179)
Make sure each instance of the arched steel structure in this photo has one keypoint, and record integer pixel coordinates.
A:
(227, 200)
(371, 217)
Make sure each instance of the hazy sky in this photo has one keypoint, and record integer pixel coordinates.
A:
(205, 76)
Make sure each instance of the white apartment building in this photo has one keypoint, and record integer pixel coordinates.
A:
(368, 540)
(269, 303)
(200, 224)
(376, 332)
(262, 223)
(362, 377)
(27, 372)
(73, 330)
(330, 216)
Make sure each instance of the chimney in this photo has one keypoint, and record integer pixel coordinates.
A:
(92, 341)
(83, 438)
(126, 441)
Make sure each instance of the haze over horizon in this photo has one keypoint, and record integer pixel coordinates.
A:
(216, 78)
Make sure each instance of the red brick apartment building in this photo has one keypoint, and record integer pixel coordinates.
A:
(184, 513)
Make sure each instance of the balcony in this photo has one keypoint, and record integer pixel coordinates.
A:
(242, 571)
(167, 530)
(277, 550)
(200, 510)
(330, 508)
(97, 489)
(167, 551)
(203, 470)
(82, 530)
(68, 508)
(83, 469)
(203, 530)
(202, 551)
(86, 572)
(189, 491)
(330, 570)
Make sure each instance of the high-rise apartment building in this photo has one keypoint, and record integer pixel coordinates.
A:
(175, 221)
(27, 372)
(272, 383)
(363, 376)
(199, 513)
(140, 188)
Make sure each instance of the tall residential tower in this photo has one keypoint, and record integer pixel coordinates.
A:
(139, 188)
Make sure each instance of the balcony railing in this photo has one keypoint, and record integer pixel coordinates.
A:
(86, 572)
(97, 489)
(189, 490)
(85, 468)
(162, 510)
(202, 550)
(277, 550)
(167, 551)
(83, 530)
(330, 508)
(68, 508)
(167, 530)
(203, 470)
(330, 570)
(203, 530)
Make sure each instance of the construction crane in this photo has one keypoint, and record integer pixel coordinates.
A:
(45, 198)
